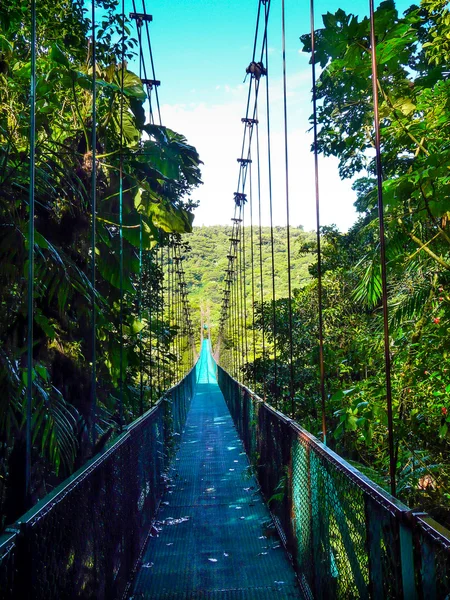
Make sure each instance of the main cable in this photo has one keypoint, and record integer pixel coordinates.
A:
(272, 248)
(151, 61)
(93, 234)
(122, 82)
(263, 320)
(319, 252)
(253, 276)
(30, 291)
(288, 235)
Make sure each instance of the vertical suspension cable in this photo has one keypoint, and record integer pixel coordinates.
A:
(181, 292)
(144, 10)
(30, 290)
(244, 286)
(235, 322)
(158, 322)
(141, 358)
(288, 233)
(122, 80)
(387, 355)
(269, 166)
(252, 258)
(176, 283)
(180, 320)
(175, 289)
(161, 324)
(238, 302)
(176, 300)
(93, 233)
(141, 366)
(234, 299)
(170, 302)
(319, 252)
(150, 318)
(174, 309)
(237, 249)
(263, 320)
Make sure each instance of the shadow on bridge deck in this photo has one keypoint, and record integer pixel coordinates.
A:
(215, 538)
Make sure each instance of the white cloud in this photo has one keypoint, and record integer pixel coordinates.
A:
(216, 131)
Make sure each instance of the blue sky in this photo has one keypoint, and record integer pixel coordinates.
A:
(201, 49)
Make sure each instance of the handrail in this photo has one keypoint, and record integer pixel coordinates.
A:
(348, 537)
(84, 538)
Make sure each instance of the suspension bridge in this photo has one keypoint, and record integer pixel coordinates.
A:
(211, 492)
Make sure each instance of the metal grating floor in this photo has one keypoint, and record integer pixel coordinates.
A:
(214, 538)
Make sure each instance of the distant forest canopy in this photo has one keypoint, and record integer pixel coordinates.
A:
(206, 263)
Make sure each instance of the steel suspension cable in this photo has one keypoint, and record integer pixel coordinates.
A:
(141, 357)
(234, 308)
(288, 234)
(244, 284)
(170, 300)
(177, 314)
(387, 355)
(252, 259)
(176, 284)
(239, 332)
(150, 318)
(263, 320)
(241, 290)
(318, 238)
(141, 361)
(30, 283)
(161, 319)
(93, 233)
(122, 81)
(158, 322)
(151, 61)
(272, 248)
(142, 63)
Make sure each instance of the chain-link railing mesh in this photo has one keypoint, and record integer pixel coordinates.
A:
(84, 540)
(348, 537)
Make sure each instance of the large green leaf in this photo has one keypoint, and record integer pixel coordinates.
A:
(171, 219)
(57, 55)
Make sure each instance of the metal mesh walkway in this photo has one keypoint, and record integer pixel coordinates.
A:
(215, 538)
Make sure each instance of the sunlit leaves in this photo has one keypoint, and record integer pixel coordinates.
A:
(157, 174)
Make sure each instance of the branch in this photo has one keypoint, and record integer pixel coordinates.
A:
(394, 111)
(424, 247)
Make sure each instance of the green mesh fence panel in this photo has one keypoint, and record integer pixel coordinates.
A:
(213, 536)
(347, 536)
(84, 539)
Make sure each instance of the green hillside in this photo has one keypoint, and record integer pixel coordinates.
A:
(207, 261)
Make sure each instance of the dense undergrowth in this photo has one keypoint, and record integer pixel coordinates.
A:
(159, 171)
(413, 53)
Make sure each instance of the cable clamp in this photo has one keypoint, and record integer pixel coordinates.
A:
(249, 122)
(141, 17)
(151, 83)
(240, 199)
(256, 70)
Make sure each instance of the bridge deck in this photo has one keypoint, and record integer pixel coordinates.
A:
(216, 538)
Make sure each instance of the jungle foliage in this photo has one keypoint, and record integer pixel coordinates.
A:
(206, 262)
(159, 171)
(414, 91)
